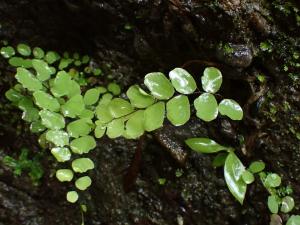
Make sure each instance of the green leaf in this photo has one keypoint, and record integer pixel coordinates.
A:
(294, 220)
(106, 98)
(72, 196)
(61, 84)
(100, 130)
(273, 180)
(211, 80)
(51, 57)
(257, 166)
(82, 165)
(73, 107)
(231, 108)
(20, 62)
(64, 175)
(64, 63)
(74, 89)
(248, 177)
(207, 107)
(58, 137)
(103, 114)
(37, 126)
(119, 107)
(273, 204)
(7, 52)
(219, 160)
(114, 88)
(81, 127)
(13, 95)
(287, 204)
(42, 69)
(61, 154)
(91, 96)
(38, 53)
(24, 49)
(204, 145)
(46, 101)
(87, 114)
(178, 110)
(83, 183)
(135, 125)
(159, 85)
(83, 144)
(233, 171)
(52, 120)
(26, 78)
(138, 97)
(182, 81)
(154, 116)
(115, 128)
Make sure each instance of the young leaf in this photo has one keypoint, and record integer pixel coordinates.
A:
(7, 52)
(119, 107)
(26, 78)
(204, 145)
(233, 171)
(206, 106)
(135, 125)
(231, 108)
(73, 107)
(248, 177)
(58, 137)
(61, 154)
(219, 160)
(273, 204)
(287, 204)
(83, 144)
(182, 81)
(24, 49)
(178, 110)
(72, 196)
(61, 84)
(273, 180)
(138, 97)
(154, 116)
(64, 175)
(159, 85)
(257, 166)
(115, 128)
(82, 165)
(38, 53)
(46, 101)
(114, 88)
(100, 130)
(83, 183)
(103, 114)
(52, 120)
(293, 220)
(211, 80)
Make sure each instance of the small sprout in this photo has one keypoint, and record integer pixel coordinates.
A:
(179, 172)
(97, 72)
(72, 196)
(273, 204)
(257, 166)
(114, 88)
(76, 55)
(287, 204)
(248, 177)
(162, 181)
(261, 78)
(7, 52)
(128, 26)
(85, 59)
(272, 180)
(24, 49)
(266, 46)
(51, 57)
(77, 63)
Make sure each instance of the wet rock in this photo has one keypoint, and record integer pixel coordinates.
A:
(236, 55)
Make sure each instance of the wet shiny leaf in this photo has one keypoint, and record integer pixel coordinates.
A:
(207, 107)
(72, 196)
(81, 127)
(154, 116)
(159, 85)
(42, 69)
(58, 137)
(211, 80)
(13, 95)
(115, 128)
(52, 120)
(91, 96)
(61, 154)
(273, 180)
(82, 165)
(135, 125)
(24, 49)
(64, 175)
(83, 144)
(182, 81)
(231, 108)
(119, 107)
(73, 107)
(178, 110)
(248, 177)
(61, 84)
(46, 101)
(26, 78)
(7, 52)
(204, 145)
(287, 204)
(83, 183)
(37, 126)
(233, 171)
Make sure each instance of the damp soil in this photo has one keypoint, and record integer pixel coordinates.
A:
(128, 39)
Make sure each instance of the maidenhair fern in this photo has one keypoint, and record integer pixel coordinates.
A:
(49, 92)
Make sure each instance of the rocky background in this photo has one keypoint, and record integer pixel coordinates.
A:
(246, 39)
